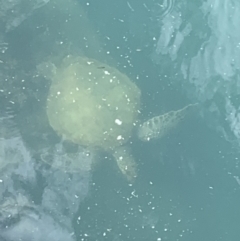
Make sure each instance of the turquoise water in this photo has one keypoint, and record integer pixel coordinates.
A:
(188, 182)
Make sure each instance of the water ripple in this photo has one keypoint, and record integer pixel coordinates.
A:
(164, 8)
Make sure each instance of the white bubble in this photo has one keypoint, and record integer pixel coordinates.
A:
(106, 72)
(119, 138)
(118, 122)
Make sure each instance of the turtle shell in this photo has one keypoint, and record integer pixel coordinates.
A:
(92, 104)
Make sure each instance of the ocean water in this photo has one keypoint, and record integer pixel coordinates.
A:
(177, 53)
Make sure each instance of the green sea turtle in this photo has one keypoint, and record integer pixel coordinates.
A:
(95, 105)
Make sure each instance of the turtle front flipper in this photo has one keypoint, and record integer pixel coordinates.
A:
(159, 126)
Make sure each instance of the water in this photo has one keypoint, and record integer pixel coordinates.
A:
(209, 68)
(13, 13)
(178, 53)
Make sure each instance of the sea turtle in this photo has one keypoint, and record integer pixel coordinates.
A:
(95, 105)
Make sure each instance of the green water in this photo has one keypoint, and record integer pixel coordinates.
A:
(187, 186)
